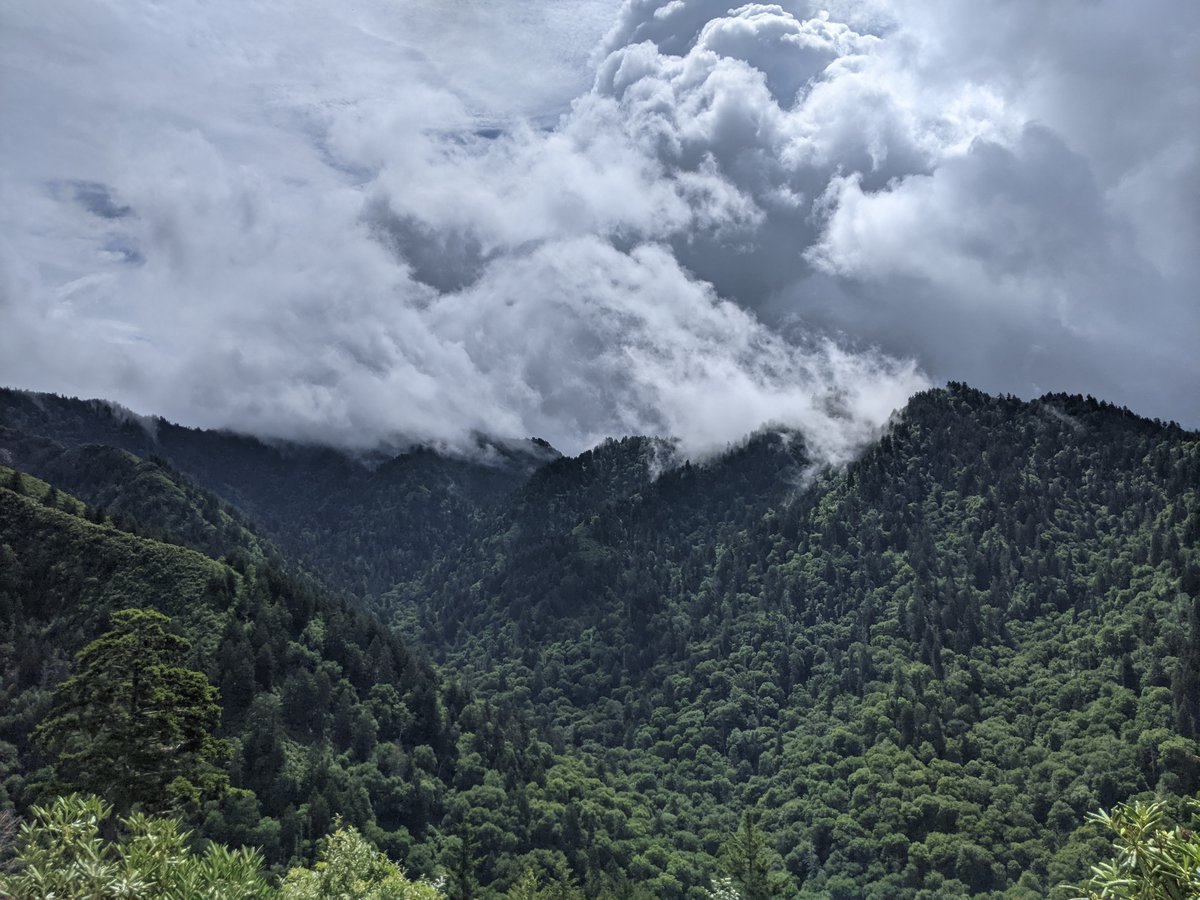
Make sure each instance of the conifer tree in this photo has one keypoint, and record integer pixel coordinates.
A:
(132, 724)
(748, 861)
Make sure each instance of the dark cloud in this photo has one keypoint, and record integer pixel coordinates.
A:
(98, 199)
(968, 185)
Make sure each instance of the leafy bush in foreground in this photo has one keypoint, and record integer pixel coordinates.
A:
(1153, 860)
(62, 853)
(350, 866)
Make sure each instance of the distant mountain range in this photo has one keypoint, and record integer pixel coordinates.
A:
(365, 522)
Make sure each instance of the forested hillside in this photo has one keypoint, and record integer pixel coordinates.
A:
(329, 715)
(363, 521)
(923, 670)
(919, 672)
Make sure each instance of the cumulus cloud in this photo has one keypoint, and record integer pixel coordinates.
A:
(971, 184)
(328, 224)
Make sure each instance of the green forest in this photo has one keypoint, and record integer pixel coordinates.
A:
(966, 664)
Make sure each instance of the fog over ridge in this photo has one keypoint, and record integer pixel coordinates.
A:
(345, 225)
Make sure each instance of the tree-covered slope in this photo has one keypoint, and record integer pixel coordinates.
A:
(328, 713)
(364, 521)
(923, 670)
(587, 536)
(145, 496)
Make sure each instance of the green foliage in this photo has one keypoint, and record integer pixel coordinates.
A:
(62, 853)
(132, 723)
(749, 862)
(322, 706)
(922, 668)
(350, 868)
(460, 863)
(1152, 860)
(559, 883)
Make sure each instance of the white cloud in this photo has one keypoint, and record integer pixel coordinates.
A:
(327, 223)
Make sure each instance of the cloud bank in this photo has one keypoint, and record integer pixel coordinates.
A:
(397, 220)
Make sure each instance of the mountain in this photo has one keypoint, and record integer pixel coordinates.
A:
(364, 522)
(924, 669)
(921, 671)
(329, 714)
(301, 676)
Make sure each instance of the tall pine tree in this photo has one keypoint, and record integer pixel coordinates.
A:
(132, 724)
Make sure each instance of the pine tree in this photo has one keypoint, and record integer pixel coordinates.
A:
(461, 862)
(748, 861)
(134, 726)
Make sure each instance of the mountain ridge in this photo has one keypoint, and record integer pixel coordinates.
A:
(921, 669)
(390, 492)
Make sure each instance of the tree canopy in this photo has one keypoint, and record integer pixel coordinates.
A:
(132, 724)
(923, 669)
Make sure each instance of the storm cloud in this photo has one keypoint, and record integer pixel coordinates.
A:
(411, 221)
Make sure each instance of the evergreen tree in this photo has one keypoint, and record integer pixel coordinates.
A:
(748, 860)
(461, 862)
(132, 724)
(559, 885)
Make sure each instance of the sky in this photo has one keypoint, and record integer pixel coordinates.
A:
(419, 221)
